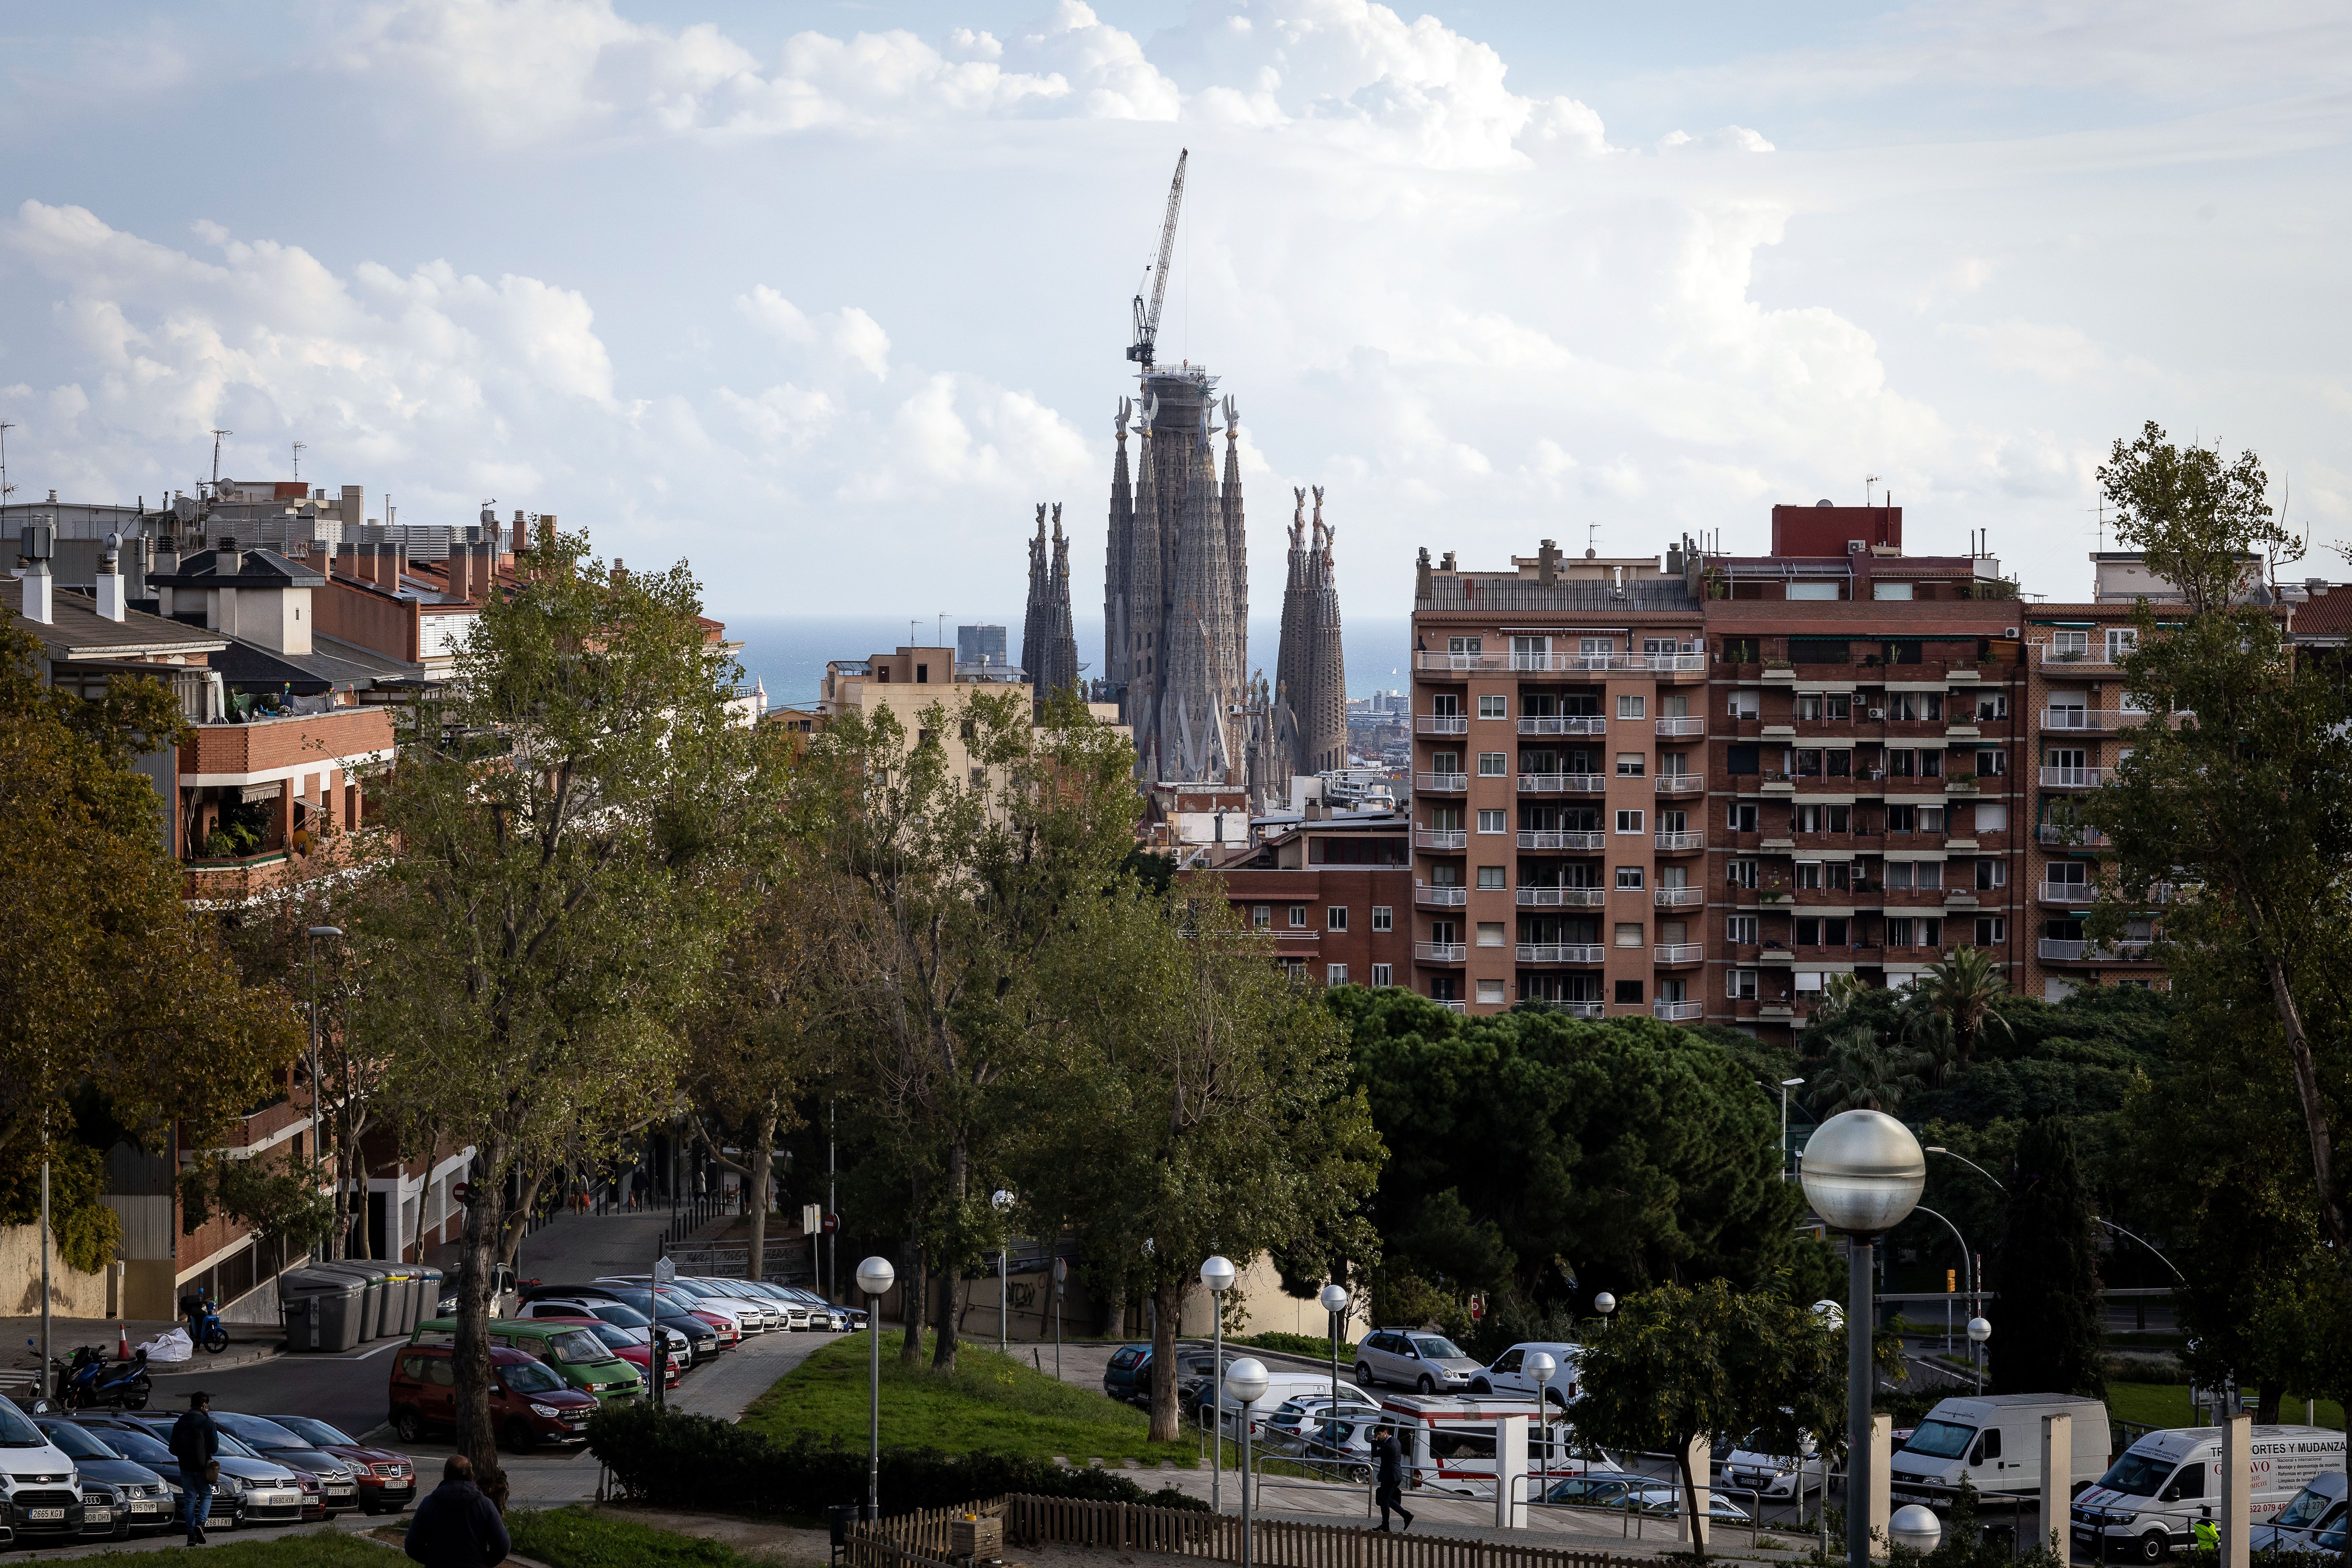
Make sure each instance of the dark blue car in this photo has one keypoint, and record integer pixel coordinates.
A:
(1128, 1378)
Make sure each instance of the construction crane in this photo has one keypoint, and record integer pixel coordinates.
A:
(1147, 320)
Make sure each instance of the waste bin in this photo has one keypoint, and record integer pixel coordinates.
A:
(400, 1307)
(321, 1308)
(430, 1285)
(373, 1278)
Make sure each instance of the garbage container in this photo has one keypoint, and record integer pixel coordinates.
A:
(373, 1279)
(431, 1283)
(321, 1308)
(400, 1309)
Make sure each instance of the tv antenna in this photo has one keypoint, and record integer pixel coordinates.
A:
(217, 441)
(298, 460)
(7, 489)
(1868, 480)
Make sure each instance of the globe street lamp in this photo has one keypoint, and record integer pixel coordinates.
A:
(1002, 1202)
(1978, 1332)
(1217, 1274)
(875, 1277)
(1540, 1366)
(1863, 1172)
(1915, 1527)
(1245, 1382)
(1335, 1301)
(1604, 1304)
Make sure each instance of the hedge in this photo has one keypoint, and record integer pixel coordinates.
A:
(699, 1464)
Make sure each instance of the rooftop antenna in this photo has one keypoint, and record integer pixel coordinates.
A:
(913, 625)
(217, 441)
(298, 460)
(7, 489)
(1147, 320)
(1868, 480)
(1592, 540)
(940, 638)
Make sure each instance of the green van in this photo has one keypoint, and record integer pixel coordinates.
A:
(581, 1359)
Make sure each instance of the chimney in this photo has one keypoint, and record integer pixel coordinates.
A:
(460, 566)
(1548, 563)
(35, 544)
(620, 573)
(111, 590)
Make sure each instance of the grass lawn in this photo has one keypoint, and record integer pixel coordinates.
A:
(324, 1548)
(990, 1403)
(572, 1538)
(2167, 1405)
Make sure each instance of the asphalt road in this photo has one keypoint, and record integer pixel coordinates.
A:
(346, 1391)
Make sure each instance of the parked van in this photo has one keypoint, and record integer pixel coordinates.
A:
(578, 1356)
(2318, 1507)
(2151, 1500)
(1993, 1442)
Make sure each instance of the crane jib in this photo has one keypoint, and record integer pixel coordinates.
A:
(1147, 321)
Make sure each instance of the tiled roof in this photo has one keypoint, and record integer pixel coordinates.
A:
(1516, 595)
(75, 630)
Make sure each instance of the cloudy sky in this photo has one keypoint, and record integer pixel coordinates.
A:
(824, 296)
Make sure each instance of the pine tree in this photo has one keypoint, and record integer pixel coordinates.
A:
(2046, 1337)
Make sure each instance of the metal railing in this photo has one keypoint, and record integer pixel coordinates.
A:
(1672, 842)
(1682, 783)
(1562, 898)
(1546, 838)
(2072, 778)
(1682, 726)
(1677, 1012)
(2060, 950)
(1561, 953)
(2068, 893)
(1441, 783)
(2087, 659)
(1559, 663)
(1440, 952)
(2094, 718)
(1441, 839)
(2076, 834)
(1441, 724)
(1678, 898)
(1439, 898)
(1563, 783)
(1679, 951)
(1565, 724)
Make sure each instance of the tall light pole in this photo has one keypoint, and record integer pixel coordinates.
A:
(1003, 1204)
(1786, 1085)
(1217, 1274)
(1245, 1381)
(1540, 1366)
(310, 968)
(875, 1277)
(1335, 1301)
(1864, 1173)
(1061, 1273)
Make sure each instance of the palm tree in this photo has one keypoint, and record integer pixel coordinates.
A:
(1865, 1074)
(1962, 993)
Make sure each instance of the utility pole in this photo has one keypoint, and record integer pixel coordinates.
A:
(298, 460)
(7, 489)
(217, 441)
(832, 1201)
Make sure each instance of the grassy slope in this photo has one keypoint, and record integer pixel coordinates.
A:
(325, 1549)
(990, 1403)
(569, 1538)
(2167, 1405)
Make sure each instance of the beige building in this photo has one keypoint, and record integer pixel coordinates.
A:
(908, 683)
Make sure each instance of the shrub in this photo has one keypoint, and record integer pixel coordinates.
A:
(672, 1459)
(1294, 1344)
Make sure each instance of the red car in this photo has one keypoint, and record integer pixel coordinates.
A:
(387, 1481)
(629, 1344)
(531, 1404)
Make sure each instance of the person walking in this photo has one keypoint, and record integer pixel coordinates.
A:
(457, 1526)
(1388, 1456)
(195, 1444)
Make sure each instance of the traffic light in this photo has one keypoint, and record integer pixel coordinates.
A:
(1952, 1280)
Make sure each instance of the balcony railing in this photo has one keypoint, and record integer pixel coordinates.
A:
(2068, 893)
(2087, 658)
(1438, 952)
(2058, 951)
(2072, 778)
(1546, 839)
(1441, 783)
(1678, 898)
(1562, 898)
(1451, 1006)
(1565, 724)
(1682, 783)
(1671, 727)
(1679, 951)
(1439, 897)
(1563, 783)
(1677, 842)
(1677, 1012)
(1441, 839)
(2073, 834)
(1441, 724)
(1559, 663)
(1578, 1008)
(1561, 953)
(2094, 718)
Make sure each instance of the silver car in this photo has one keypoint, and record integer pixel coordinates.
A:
(1415, 1359)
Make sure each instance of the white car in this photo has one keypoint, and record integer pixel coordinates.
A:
(773, 1314)
(1418, 1359)
(748, 1319)
(1749, 1469)
(1510, 1373)
(2317, 1507)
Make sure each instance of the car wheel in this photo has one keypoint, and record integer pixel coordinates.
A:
(1364, 1373)
(2153, 1547)
(405, 1426)
(517, 1436)
(1426, 1385)
(1480, 1385)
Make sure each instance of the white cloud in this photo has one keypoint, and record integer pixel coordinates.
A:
(2057, 353)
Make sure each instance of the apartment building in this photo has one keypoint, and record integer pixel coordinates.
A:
(1334, 891)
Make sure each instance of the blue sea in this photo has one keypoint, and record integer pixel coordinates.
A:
(788, 653)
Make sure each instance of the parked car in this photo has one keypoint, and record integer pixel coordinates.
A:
(1663, 1499)
(1128, 1378)
(339, 1484)
(387, 1479)
(141, 1502)
(638, 1293)
(748, 1319)
(250, 1489)
(1415, 1359)
(631, 1345)
(44, 1501)
(1343, 1444)
(690, 1338)
(795, 1310)
(1294, 1420)
(2318, 1507)
(1752, 1467)
(770, 1315)
(1508, 1373)
(531, 1404)
(1597, 1489)
(577, 1355)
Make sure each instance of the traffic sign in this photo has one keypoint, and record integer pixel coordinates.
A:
(832, 1224)
(462, 1193)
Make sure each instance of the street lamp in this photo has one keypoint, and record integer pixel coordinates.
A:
(1863, 1172)
(310, 969)
(1916, 1527)
(875, 1277)
(1978, 1332)
(1335, 1301)
(1217, 1274)
(1786, 1085)
(1604, 1304)
(1245, 1382)
(1540, 1366)
(1002, 1202)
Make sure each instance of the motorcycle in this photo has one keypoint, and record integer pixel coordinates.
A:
(204, 1324)
(91, 1380)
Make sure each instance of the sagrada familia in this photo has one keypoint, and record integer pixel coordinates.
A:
(1176, 608)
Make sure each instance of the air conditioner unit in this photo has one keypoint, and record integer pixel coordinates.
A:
(1854, 547)
(2008, 631)
(1878, 712)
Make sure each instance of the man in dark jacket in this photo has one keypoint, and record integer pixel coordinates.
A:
(196, 1442)
(1388, 1458)
(456, 1526)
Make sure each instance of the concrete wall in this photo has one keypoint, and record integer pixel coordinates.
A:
(72, 1294)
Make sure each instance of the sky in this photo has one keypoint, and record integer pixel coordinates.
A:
(825, 297)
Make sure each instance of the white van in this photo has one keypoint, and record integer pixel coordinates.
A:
(42, 1487)
(1993, 1442)
(1282, 1386)
(1510, 1373)
(2152, 1498)
(2296, 1526)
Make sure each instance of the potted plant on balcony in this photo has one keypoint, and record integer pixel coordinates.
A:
(1966, 783)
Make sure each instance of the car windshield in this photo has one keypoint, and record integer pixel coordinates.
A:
(316, 1433)
(619, 1312)
(16, 1431)
(618, 1337)
(529, 1377)
(259, 1433)
(576, 1345)
(144, 1446)
(1436, 1348)
(2304, 1510)
(1940, 1439)
(2137, 1475)
(77, 1442)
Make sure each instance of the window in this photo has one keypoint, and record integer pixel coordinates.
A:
(1837, 874)
(1596, 645)
(1465, 644)
(1383, 919)
(1740, 930)
(1491, 991)
(1299, 917)
(1741, 817)
(1629, 993)
(1931, 765)
(1631, 764)
(1837, 931)
(1493, 707)
(1813, 591)
(1674, 706)
(1746, 704)
(1809, 932)
(1931, 819)
(1809, 764)
(2121, 641)
(922, 674)
(1898, 876)
(1335, 918)
(1992, 705)
(1902, 820)
(1631, 708)
(1629, 879)
(1490, 933)
(1931, 874)
(1992, 764)
(1739, 984)
(1840, 765)
(1991, 874)
(1992, 930)
(1740, 873)
(1629, 822)
(1740, 650)
(1673, 822)
(2069, 646)
(1494, 764)
(1741, 759)
(1491, 821)
(1335, 975)
(1808, 874)
(1445, 705)
(1261, 916)
(979, 778)
(1837, 708)
(1824, 819)
(1808, 706)
(1490, 879)
(1445, 762)
(1890, 590)
(1383, 974)
(1993, 818)
(1629, 933)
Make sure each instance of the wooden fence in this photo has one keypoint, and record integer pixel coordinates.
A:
(922, 1539)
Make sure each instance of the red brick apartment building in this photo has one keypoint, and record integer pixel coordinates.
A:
(1337, 894)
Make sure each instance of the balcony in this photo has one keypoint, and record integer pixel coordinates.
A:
(1441, 839)
(1441, 724)
(1563, 783)
(2093, 721)
(2068, 894)
(1546, 839)
(1681, 843)
(1562, 898)
(1682, 783)
(1678, 952)
(1441, 783)
(1438, 952)
(1679, 898)
(1559, 663)
(1439, 898)
(1561, 953)
(2070, 834)
(1451, 1006)
(1677, 1012)
(1577, 1009)
(2092, 658)
(1566, 724)
(2057, 951)
(2073, 778)
(1675, 727)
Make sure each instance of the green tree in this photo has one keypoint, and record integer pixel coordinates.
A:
(2201, 524)
(2047, 1273)
(547, 892)
(1866, 1072)
(1961, 998)
(1680, 1362)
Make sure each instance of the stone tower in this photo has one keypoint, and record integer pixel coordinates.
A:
(1049, 647)
(1310, 705)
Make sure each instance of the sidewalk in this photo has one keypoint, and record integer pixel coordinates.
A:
(248, 1343)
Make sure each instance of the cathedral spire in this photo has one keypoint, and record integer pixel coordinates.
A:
(1203, 683)
(1118, 628)
(1229, 511)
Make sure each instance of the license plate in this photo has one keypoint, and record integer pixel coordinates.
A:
(97, 1516)
(45, 1515)
(146, 1508)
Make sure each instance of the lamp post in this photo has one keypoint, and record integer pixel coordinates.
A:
(1604, 1304)
(875, 1277)
(1002, 1202)
(1978, 1332)
(1335, 1301)
(1061, 1273)
(1540, 1366)
(1217, 1274)
(311, 970)
(1863, 1172)
(1786, 1085)
(1245, 1382)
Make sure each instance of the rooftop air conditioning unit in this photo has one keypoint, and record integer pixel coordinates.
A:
(1878, 712)
(1854, 547)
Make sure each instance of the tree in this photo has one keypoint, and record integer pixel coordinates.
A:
(1680, 1362)
(2200, 524)
(2047, 1273)
(1866, 1073)
(1962, 993)
(547, 889)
